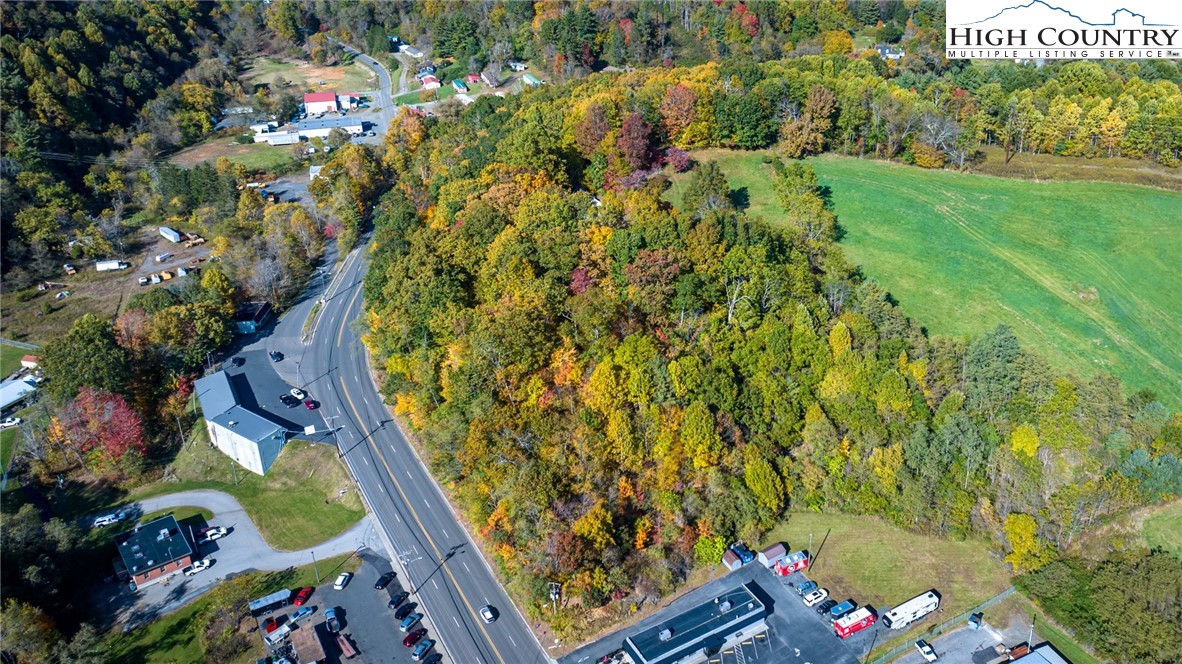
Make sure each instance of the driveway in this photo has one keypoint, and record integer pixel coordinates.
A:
(243, 550)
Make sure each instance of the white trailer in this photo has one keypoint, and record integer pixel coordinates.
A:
(912, 610)
(107, 266)
(169, 234)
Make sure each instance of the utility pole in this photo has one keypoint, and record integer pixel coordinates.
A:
(810, 545)
(180, 430)
(1030, 639)
(234, 471)
(315, 568)
(555, 593)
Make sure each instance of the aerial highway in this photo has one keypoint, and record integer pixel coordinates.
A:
(443, 568)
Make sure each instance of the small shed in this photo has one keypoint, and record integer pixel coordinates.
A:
(731, 560)
(459, 85)
(30, 361)
(473, 79)
(773, 553)
(531, 80)
(169, 234)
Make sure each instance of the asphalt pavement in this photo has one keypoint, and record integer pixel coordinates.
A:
(436, 559)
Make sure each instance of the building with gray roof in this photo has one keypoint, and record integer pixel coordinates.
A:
(700, 632)
(249, 437)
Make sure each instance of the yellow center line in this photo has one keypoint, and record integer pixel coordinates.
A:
(398, 487)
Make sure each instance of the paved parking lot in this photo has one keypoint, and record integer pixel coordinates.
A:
(365, 620)
(795, 633)
(258, 387)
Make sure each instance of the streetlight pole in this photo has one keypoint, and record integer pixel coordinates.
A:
(315, 568)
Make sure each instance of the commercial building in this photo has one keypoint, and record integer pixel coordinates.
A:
(248, 437)
(701, 632)
(320, 102)
(278, 137)
(322, 127)
(154, 551)
(15, 391)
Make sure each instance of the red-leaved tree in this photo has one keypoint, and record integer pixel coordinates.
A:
(633, 140)
(102, 419)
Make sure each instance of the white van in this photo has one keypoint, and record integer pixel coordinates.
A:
(109, 519)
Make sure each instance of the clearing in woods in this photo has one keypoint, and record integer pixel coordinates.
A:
(1080, 270)
(308, 77)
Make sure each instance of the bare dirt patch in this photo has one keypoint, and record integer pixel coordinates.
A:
(308, 76)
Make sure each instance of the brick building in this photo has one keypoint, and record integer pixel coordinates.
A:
(154, 551)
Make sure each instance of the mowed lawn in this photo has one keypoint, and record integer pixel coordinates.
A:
(10, 358)
(1164, 529)
(876, 564)
(306, 498)
(1084, 272)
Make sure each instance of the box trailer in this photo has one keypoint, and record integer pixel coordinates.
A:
(912, 610)
(107, 266)
(793, 562)
(169, 234)
(853, 623)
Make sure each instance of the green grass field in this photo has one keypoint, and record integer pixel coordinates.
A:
(175, 638)
(180, 513)
(294, 506)
(10, 358)
(1080, 270)
(1164, 529)
(900, 564)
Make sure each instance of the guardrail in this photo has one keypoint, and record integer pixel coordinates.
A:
(945, 626)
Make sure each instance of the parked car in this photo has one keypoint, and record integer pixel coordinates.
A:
(383, 581)
(487, 615)
(303, 595)
(311, 405)
(806, 588)
(397, 599)
(402, 611)
(433, 658)
(745, 554)
(342, 581)
(410, 621)
(276, 356)
(288, 400)
(302, 613)
(199, 566)
(331, 622)
(414, 637)
(298, 393)
(816, 597)
(237, 361)
(421, 650)
(824, 607)
(926, 649)
(10, 422)
(143, 281)
(109, 519)
(212, 534)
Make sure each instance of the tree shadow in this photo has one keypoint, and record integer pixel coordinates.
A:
(740, 198)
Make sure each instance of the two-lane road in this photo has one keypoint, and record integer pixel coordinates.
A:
(445, 571)
(385, 100)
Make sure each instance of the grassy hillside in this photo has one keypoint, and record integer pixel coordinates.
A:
(1080, 270)
(1164, 529)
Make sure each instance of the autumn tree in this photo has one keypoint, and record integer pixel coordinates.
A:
(633, 140)
(88, 355)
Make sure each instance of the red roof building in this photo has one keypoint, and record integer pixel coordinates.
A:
(320, 102)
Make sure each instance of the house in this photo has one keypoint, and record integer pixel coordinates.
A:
(888, 52)
(30, 361)
(153, 551)
(250, 438)
(430, 83)
(773, 553)
(322, 127)
(531, 80)
(169, 234)
(473, 79)
(251, 316)
(320, 102)
(514, 65)
(490, 79)
(15, 391)
(349, 100)
(459, 86)
(731, 560)
(411, 51)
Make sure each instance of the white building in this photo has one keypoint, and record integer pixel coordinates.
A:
(278, 138)
(322, 127)
(430, 83)
(250, 438)
(320, 102)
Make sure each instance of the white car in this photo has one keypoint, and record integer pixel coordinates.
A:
(926, 649)
(10, 422)
(109, 519)
(199, 566)
(298, 393)
(342, 581)
(211, 534)
(816, 597)
(486, 614)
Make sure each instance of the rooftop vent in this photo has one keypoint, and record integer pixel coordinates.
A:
(665, 634)
(724, 605)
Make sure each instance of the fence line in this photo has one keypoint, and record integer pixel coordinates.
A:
(943, 627)
(19, 344)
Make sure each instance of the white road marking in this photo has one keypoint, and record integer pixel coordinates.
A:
(470, 571)
(512, 641)
(365, 460)
(398, 517)
(408, 473)
(435, 584)
(382, 488)
(456, 621)
(427, 503)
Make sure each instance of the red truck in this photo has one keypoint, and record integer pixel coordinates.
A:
(793, 562)
(854, 622)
